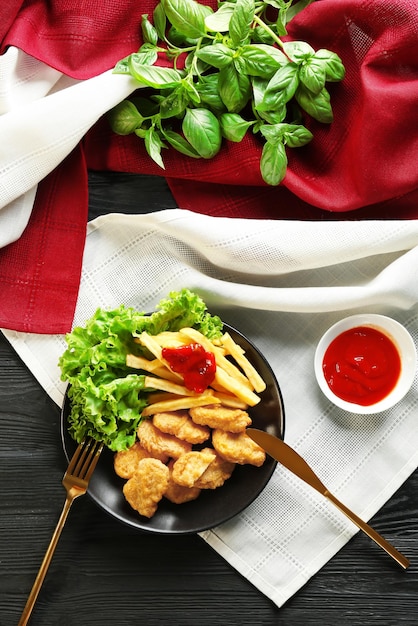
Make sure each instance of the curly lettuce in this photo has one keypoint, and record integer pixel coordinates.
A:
(106, 396)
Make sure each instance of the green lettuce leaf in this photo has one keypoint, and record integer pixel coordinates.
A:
(106, 396)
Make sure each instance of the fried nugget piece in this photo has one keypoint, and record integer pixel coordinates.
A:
(181, 425)
(178, 494)
(190, 466)
(216, 474)
(238, 448)
(225, 418)
(156, 442)
(126, 462)
(147, 486)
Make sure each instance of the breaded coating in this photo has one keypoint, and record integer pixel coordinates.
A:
(147, 486)
(190, 466)
(181, 425)
(157, 442)
(238, 448)
(177, 493)
(126, 462)
(225, 418)
(216, 474)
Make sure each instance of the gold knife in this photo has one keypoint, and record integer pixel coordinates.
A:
(288, 457)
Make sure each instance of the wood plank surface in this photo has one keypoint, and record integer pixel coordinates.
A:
(104, 573)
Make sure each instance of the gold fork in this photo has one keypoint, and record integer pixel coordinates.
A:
(76, 480)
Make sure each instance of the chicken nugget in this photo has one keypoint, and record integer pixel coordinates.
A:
(190, 466)
(157, 442)
(178, 494)
(225, 418)
(180, 424)
(126, 462)
(238, 448)
(216, 474)
(146, 487)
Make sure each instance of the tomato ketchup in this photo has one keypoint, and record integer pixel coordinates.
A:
(362, 365)
(197, 365)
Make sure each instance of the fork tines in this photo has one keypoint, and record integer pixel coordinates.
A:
(85, 458)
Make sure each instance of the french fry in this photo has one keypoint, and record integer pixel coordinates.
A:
(154, 367)
(238, 354)
(236, 387)
(140, 363)
(184, 402)
(229, 400)
(166, 385)
(154, 347)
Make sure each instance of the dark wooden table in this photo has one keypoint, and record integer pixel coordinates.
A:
(104, 573)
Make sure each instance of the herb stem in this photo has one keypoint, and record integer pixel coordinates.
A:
(268, 30)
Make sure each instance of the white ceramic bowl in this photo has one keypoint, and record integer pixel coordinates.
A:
(399, 337)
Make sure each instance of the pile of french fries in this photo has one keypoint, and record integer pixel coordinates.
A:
(236, 382)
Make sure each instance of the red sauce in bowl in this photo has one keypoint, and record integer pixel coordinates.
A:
(362, 365)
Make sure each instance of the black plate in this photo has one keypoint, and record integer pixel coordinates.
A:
(212, 507)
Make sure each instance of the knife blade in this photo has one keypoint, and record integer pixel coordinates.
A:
(292, 460)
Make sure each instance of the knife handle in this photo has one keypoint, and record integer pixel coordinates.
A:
(373, 534)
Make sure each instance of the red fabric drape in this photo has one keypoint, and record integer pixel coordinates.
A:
(361, 166)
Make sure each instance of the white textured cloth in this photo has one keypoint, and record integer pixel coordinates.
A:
(282, 283)
(43, 116)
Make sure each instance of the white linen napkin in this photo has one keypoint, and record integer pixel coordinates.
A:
(43, 116)
(282, 283)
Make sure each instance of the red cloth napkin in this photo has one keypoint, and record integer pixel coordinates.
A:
(362, 166)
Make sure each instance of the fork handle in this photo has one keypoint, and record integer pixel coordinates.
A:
(373, 534)
(45, 564)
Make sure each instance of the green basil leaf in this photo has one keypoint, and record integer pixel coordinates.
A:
(207, 88)
(296, 136)
(174, 103)
(234, 127)
(178, 142)
(334, 68)
(281, 88)
(145, 56)
(145, 106)
(259, 86)
(157, 77)
(149, 32)
(240, 22)
(218, 22)
(124, 118)
(122, 66)
(218, 55)
(160, 20)
(260, 35)
(281, 22)
(278, 55)
(153, 145)
(316, 105)
(234, 88)
(296, 8)
(177, 38)
(191, 91)
(257, 62)
(312, 75)
(272, 132)
(273, 163)
(187, 16)
(202, 130)
(141, 132)
(298, 51)
(274, 117)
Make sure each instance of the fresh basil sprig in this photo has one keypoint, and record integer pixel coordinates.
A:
(236, 74)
